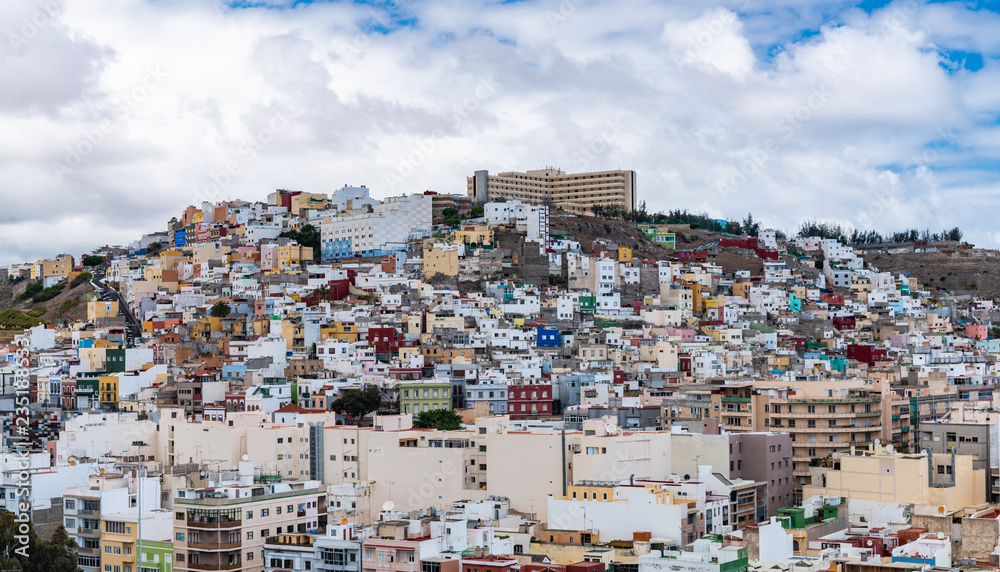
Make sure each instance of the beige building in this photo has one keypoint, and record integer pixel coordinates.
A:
(883, 475)
(441, 259)
(58, 268)
(225, 527)
(98, 309)
(574, 192)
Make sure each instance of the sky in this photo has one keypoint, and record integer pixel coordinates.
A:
(117, 114)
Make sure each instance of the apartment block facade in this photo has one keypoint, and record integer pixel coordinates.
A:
(225, 528)
(574, 192)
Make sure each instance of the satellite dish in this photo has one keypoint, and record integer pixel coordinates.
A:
(940, 536)
(878, 441)
(344, 520)
(888, 448)
(246, 457)
(869, 543)
(941, 509)
(388, 505)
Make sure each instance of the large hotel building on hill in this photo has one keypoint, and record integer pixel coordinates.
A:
(574, 192)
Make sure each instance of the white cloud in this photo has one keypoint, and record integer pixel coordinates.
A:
(692, 97)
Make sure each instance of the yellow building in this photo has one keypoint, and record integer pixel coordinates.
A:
(58, 268)
(882, 475)
(118, 536)
(98, 309)
(108, 387)
(294, 254)
(440, 259)
(309, 201)
(476, 234)
(339, 331)
(624, 254)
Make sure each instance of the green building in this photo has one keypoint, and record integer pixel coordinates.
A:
(417, 396)
(157, 556)
(659, 235)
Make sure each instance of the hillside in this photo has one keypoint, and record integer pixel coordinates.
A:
(586, 230)
(975, 271)
(70, 305)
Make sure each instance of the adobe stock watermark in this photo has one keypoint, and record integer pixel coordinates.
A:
(887, 197)
(584, 157)
(408, 163)
(92, 138)
(699, 42)
(785, 128)
(350, 52)
(248, 152)
(45, 15)
(22, 486)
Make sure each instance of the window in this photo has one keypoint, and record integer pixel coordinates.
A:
(249, 514)
(180, 536)
(249, 555)
(265, 512)
(265, 533)
(70, 504)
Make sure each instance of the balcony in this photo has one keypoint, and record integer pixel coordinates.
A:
(90, 532)
(214, 546)
(213, 524)
(194, 566)
(838, 429)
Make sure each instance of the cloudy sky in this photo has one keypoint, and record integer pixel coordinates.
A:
(116, 114)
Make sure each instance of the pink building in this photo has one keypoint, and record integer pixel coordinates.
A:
(977, 332)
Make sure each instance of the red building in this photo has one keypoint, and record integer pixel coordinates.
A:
(530, 400)
(236, 401)
(867, 353)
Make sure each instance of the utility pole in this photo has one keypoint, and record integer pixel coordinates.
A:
(138, 493)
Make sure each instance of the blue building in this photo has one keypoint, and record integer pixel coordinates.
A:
(180, 237)
(548, 337)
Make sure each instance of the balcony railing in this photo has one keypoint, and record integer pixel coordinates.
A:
(199, 566)
(214, 545)
(213, 524)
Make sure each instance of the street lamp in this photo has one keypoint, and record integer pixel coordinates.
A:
(138, 493)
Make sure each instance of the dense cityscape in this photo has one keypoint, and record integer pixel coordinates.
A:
(537, 375)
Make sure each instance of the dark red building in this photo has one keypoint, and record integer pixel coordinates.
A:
(530, 400)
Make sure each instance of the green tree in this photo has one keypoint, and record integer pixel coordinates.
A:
(154, 249)
(450, 212)
(441, 419)
(358, 402)
(38, 555)
(306, 235)
(220, 310)
(750, 226)
(476, 212)
(81, 278)
(93, 260)
(31, 290)
(312, 351)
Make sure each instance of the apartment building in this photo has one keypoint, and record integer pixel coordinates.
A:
(52, 271)
(339, 550)
(226, 527)
(417, 396)
(574, 192)
(120, 535)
